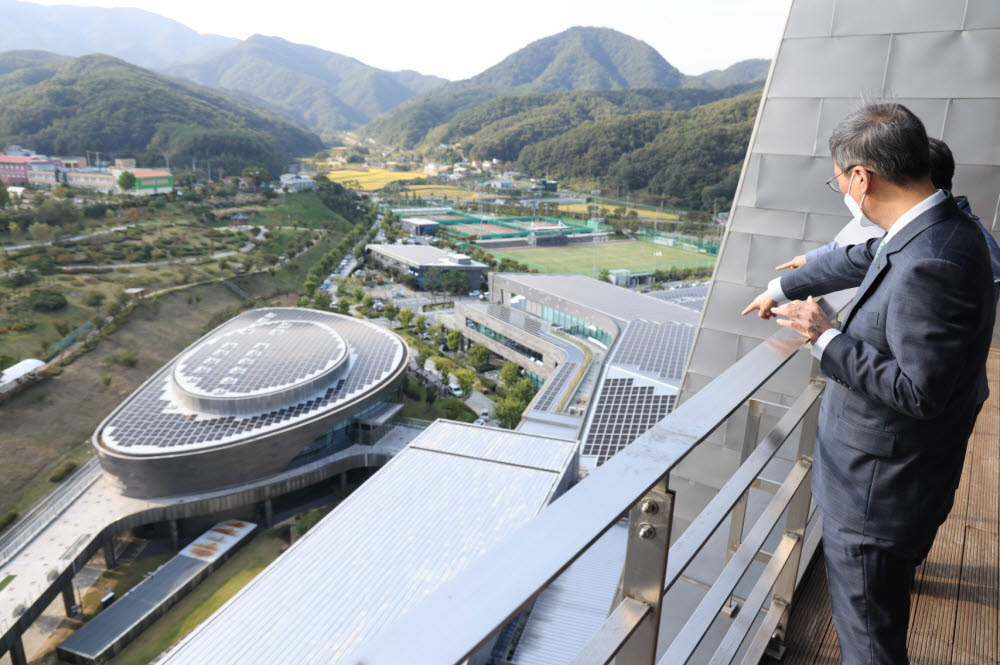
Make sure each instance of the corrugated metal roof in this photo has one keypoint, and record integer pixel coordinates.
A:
(451, 495)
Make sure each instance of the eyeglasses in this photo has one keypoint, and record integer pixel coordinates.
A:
(832, 182)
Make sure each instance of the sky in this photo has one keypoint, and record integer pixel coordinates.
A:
(457, 39)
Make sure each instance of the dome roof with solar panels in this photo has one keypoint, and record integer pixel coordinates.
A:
(263, 371)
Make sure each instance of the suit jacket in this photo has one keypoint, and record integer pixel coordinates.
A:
(898, 412)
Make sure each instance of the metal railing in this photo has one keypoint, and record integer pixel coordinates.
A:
(38, 518)
(465, 613)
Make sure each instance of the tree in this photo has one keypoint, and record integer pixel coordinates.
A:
(479, 357)
(438, 333)
(604, 274)
(507, 412)
(466, 380)
(126, 181)
(434, 280)
(510, 374)
(41, 232)
(4, 197)
(256, 173)
(390, 311)
(405, 317)
(343, 305)
(454, 339)
(522, 391)
(455, 281)
(419, 323)
(56, 212)
(367, 301)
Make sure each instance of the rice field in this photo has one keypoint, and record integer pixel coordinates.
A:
(443, 191)
(643, 213)
(370, 179)
(634, 255)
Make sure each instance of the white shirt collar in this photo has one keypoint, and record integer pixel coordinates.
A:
(914, 212)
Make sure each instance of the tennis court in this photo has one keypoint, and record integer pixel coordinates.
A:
(474, 229)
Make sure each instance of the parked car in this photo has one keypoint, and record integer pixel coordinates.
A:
(455, 389)
(485, 413)
(479, 421)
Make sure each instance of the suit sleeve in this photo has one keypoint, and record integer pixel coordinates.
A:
(835, 270)
(929, 329)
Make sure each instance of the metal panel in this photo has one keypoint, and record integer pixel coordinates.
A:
(738, 248)
(748, 191)
(822, 228)
(796, 183)
(766, 252)
(830, 67)
(778, 223)
(788, 127)
(944, 64)
(972, 131)
(809, 19)
(722, 312)
(982, 14)
(854, 17)
(713, 357)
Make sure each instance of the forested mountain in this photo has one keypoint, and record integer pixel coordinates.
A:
(691, 158)
(325, 91)
(594, 59)
(502, 127)
(96, 102)
(134, 35)
(741, 73)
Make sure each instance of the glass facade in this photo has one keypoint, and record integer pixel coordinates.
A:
(562, 320)
(503, 339)
(536, 380)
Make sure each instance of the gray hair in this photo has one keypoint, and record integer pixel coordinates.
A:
(885, 137)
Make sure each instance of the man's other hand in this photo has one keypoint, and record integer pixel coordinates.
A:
(763, 303)
(797, 262)
(804, 317)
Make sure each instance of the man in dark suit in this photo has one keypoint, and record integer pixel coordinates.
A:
(905, 370)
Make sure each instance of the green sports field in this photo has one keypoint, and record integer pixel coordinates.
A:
(634, 255)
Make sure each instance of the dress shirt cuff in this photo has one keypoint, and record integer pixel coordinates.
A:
(821, 343)
(774, 290)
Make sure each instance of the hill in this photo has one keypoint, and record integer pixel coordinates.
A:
(745, 71)
(503, 127)
(96, 102)
(325, 91)
(581, 58)
(134, 35)
(691, 158)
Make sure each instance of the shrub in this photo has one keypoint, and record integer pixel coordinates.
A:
(64, 470)
(7, 519)
(94, 298)
(47, 301)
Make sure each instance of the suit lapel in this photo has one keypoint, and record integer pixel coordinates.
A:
(942, 211)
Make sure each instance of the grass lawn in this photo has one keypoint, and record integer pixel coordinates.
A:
(643, 213)
(635, 255)
(304, 210)
(209, 596)
(443, 191)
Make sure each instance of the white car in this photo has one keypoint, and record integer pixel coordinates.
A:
(479, 421)
(455, 390)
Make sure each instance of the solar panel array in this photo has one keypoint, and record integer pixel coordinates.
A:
(555, 386)
(692, 297)
(623, 413)
(660, 349)
(270, 352)
(149, 422)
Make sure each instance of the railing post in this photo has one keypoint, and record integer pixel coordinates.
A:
(737, 519)
(645, 569)
(796, 519)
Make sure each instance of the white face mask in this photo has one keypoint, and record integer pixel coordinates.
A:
(855, 207)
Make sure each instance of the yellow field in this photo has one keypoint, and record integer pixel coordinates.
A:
(641, 212)
(370, 179)
(443, 191)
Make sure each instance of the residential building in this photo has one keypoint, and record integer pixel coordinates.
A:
(292, 182)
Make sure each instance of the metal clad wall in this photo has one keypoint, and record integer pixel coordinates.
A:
(938, 58)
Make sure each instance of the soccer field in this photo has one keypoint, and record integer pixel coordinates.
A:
(634, 255)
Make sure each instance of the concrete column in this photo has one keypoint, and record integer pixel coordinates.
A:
(69, 600)
(109, 552)
(17, 652)
(175, 535)
(268, 514)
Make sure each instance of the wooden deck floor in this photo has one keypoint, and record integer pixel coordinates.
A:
(953, 618)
